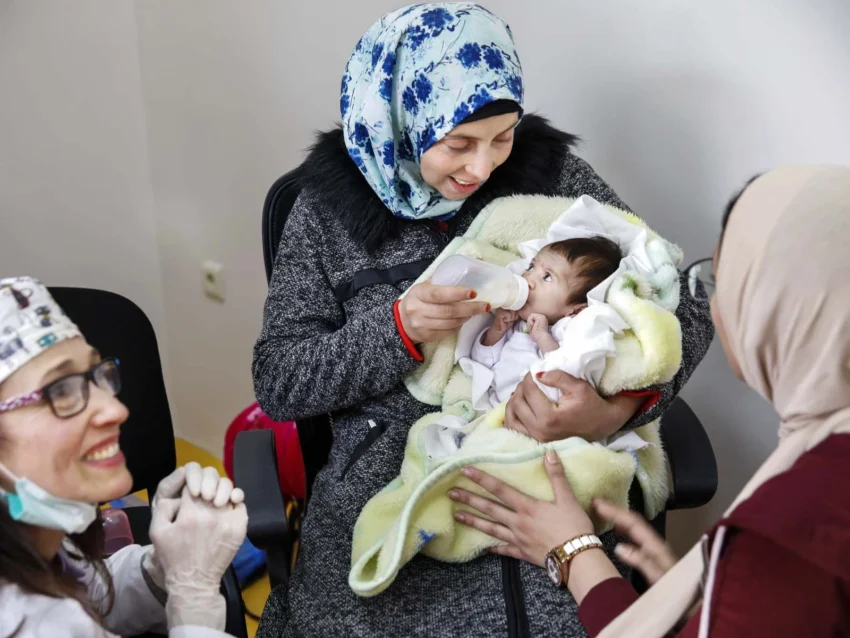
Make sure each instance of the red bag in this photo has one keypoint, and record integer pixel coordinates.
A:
(290, 464)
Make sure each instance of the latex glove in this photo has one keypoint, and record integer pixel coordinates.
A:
(168, 488)
(195, 543)
(206, 483)
(201, 482)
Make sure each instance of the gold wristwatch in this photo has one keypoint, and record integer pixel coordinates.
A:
(558, 559)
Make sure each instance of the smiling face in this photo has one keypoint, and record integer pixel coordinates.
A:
(76, 458)
(552, 282)
(463, 160)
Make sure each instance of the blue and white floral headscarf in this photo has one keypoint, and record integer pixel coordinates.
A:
(416, 74)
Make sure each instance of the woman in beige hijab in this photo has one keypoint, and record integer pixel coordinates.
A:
(778, 563)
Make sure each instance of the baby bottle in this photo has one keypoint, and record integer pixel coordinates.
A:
(494, 284)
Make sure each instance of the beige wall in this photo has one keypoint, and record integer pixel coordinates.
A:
(76, 205)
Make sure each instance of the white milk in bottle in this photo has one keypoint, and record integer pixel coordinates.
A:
(494, 284)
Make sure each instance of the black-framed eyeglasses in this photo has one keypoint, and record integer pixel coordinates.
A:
(69, 395)
(700, 276)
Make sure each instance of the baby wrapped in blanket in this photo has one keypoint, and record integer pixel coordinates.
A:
(559, 278)
(627, 337)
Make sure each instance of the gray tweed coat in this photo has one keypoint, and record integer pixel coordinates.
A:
(329, 344)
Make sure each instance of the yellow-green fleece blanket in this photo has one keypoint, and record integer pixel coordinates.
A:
(413, 513)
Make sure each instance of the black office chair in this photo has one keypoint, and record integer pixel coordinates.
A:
(119, 328)
(689, 452)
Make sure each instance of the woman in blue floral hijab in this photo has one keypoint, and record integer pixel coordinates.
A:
(432, 131)
(418, 73)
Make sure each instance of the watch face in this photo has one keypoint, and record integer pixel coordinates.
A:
(553, 570)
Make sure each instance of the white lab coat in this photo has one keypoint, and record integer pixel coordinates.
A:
(136, 609)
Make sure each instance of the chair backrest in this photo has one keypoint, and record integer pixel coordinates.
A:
(279, 201)
(119, 328)
(314, 434)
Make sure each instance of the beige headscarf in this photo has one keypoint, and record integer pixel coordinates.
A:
(783, 292)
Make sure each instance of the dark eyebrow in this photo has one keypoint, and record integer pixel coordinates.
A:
(64, 366)
(68, 366)
(457, 136)
(510, 128)
(549, 269)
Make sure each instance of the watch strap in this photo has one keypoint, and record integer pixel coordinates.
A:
(580, 543)
(564, 553)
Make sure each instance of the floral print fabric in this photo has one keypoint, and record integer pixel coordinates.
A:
(416, 74)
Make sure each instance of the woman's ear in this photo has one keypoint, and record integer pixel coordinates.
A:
(577, 309)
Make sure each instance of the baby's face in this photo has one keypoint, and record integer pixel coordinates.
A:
(551, 282)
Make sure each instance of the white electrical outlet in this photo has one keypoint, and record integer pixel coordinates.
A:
(212, 274)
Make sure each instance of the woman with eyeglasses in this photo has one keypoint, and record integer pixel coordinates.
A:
(778, 563)
(60, 458)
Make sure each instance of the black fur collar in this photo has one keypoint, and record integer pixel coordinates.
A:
(532, 168)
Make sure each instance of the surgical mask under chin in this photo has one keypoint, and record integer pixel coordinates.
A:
(33, 505)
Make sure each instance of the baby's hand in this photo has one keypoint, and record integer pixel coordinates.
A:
(505, 319)
(538, 326)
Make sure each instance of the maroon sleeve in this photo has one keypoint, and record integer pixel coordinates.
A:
(764, 590)
(784, 569)
(604, 603)
(761, 590)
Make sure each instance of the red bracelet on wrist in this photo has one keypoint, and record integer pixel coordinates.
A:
(408, 343)
(651, 397)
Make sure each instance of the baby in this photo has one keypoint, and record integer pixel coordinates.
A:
(559, 278)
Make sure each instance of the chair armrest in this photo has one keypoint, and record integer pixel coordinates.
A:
(234, 624)
(255, 472)
(690, 455)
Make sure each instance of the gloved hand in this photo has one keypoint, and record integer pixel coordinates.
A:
(201, 482)
(195, 542)
(206, 483)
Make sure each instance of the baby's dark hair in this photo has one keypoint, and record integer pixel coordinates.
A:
(597, 258)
